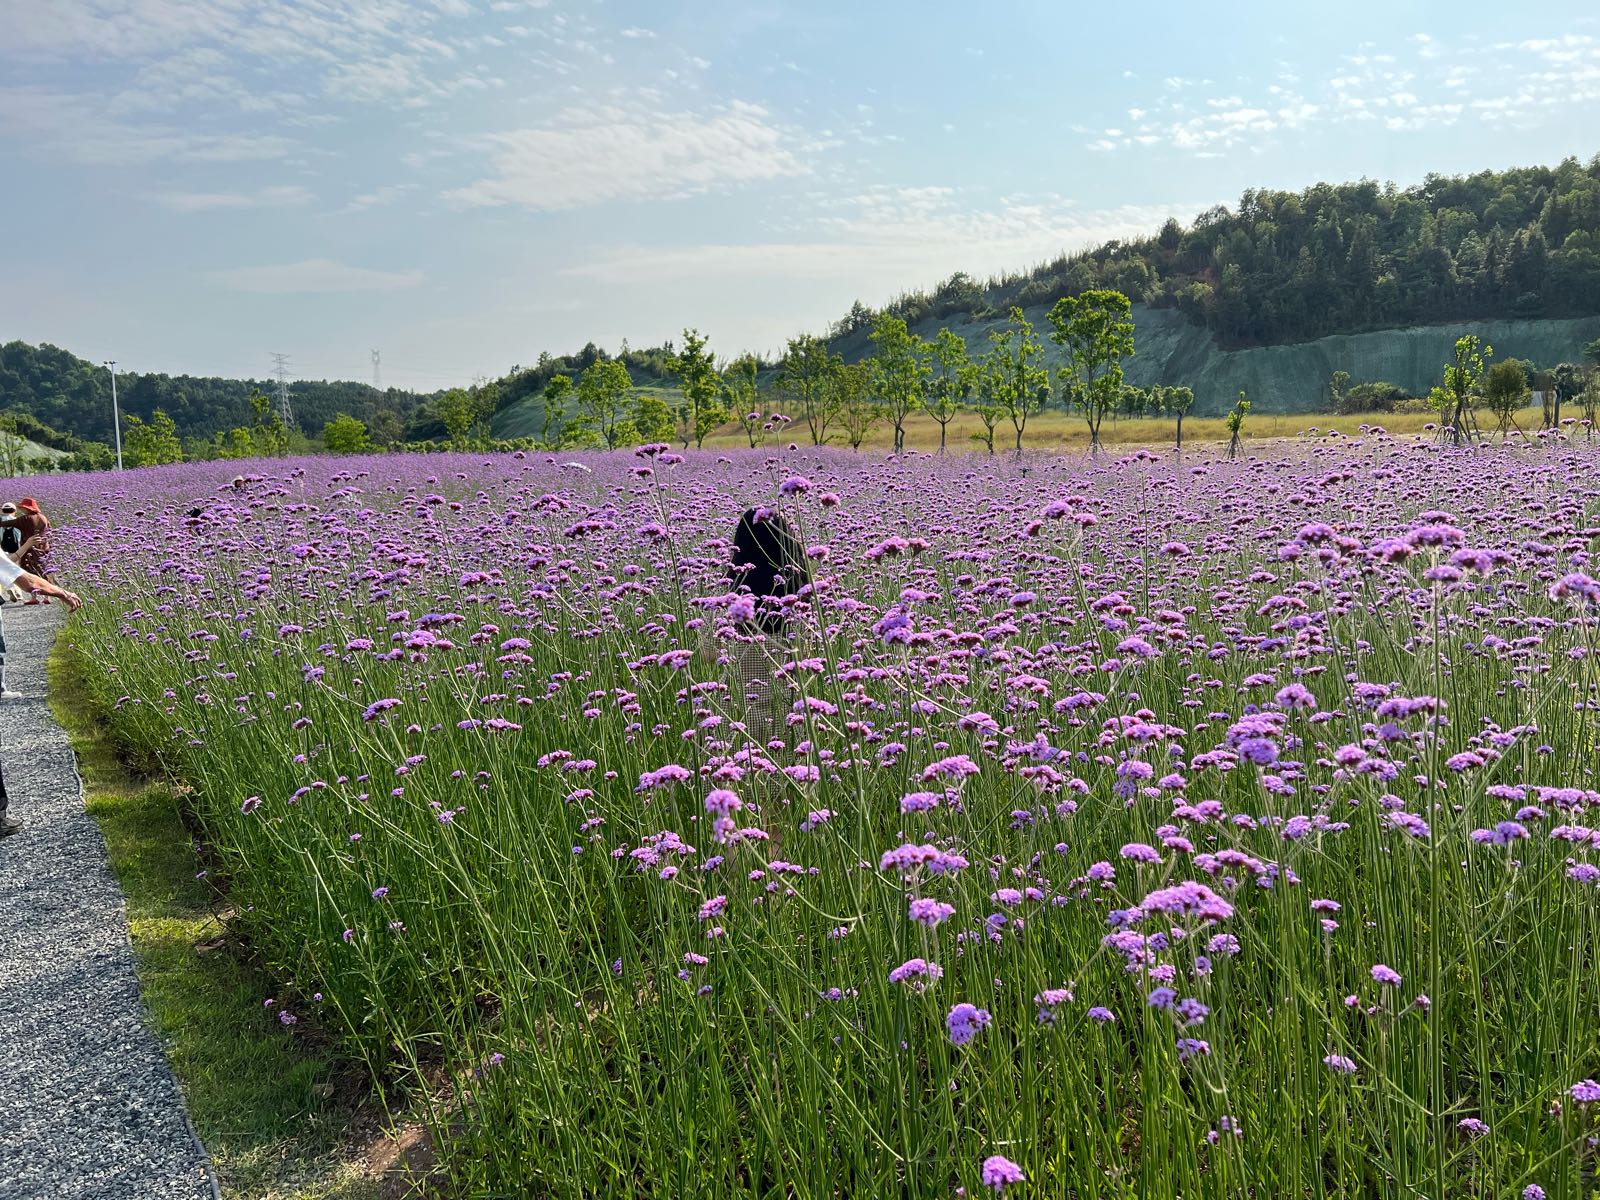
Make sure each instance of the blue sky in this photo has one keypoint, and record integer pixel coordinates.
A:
(191, 184)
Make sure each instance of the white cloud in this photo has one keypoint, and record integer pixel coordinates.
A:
(633, 31)
(75, 127)
(1429, 90)
(887, 238)
(272, 197)
(379, 197)
(586, 156)
(315, 275)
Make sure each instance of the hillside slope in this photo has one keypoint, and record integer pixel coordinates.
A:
(1292, 378)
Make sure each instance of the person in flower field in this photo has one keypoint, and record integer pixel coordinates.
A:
(769, 574)
(12, 575)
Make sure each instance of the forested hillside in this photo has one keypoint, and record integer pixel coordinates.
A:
(1273, 295)
(1333, 259)
(73, 396)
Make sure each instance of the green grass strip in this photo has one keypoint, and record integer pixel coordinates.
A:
(277, 1112)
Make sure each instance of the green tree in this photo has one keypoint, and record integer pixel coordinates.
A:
(385, 428)
(702, 409)
(857, 411)
(1455, 397)
(1095, 331)
(458, 409)
(152, 443)
(807, 377)
(899, 372)
(1338, 385)
(988, 410)
(1236, 416)
(1567, 381)
(1016, 377)
(486, 401)
(603, 391)
(554, 408)
(345, 435)
(1591, 351)
(1505, 391)
(236, 443)
(653, 419)
(267, 433)
(1176, 402)
(13, 449)
(952, 377)
(740, 397)
(1589, 400)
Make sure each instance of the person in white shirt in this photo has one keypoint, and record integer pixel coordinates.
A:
(12, 575)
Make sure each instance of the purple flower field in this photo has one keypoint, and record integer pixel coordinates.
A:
(1150, 826)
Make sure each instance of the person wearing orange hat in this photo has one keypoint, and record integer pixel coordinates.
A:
(34, 527)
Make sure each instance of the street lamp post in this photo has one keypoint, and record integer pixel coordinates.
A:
(116, 419)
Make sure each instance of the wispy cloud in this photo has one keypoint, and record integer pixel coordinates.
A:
(74, 127)
(315, 275)
(1424, 84)
(586, 156)
(886, 238)
(272, 197)
(379, 197)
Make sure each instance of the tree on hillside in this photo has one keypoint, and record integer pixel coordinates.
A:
(740, 397)
(1236, 416)
(458, 409)
(486, 399)
(152, 443)
(1589, 401)
(1505, 391)
(266, 435)
(553, 408)
(1455, 397)
(988, 410)
(345, 435)
(1132, 402)
(1591, 351)
(236, 443)
(1338, 385)
(385, 430)
(857, 410)
(603, 391)
(1567, 381)
(951, 379)
(652, 419)
(899, 372)
(1175, 402)
(1017, 379)
(1095, 331)
(702, 410)
(13, 449)
(806, 376)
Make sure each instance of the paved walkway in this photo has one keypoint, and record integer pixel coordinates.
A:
(88, 1104)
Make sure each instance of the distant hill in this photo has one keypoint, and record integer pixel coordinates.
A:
(1277, 294)
(1291, 377)
(1272, 296)
(73, 396)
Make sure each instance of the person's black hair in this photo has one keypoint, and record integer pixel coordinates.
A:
(768, 558)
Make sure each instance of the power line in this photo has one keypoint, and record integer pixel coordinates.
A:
(281, 370)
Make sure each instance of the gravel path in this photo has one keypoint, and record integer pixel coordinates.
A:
(88, 1104)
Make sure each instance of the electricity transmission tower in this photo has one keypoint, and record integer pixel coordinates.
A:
(281, 370)
(377, 370)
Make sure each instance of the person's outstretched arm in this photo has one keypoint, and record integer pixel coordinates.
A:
(36, 583)
(11, 574)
